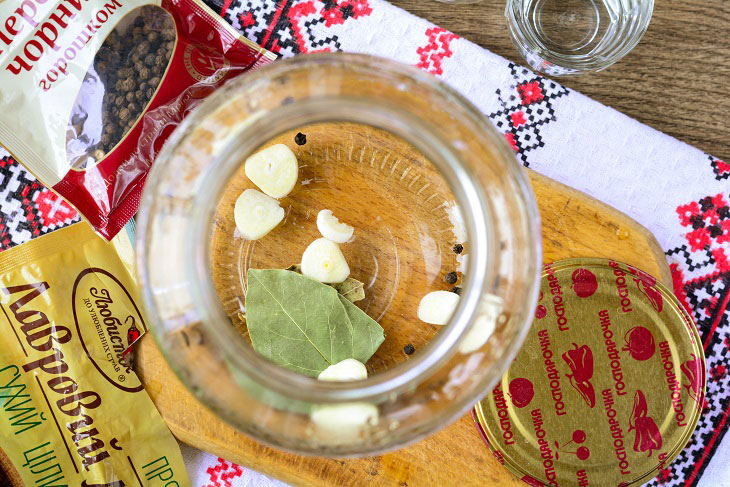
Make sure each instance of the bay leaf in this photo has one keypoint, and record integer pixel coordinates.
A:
(304, 325)
(371, 335)
(352, 289)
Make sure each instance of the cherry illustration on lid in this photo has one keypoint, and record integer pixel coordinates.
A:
(582, 452)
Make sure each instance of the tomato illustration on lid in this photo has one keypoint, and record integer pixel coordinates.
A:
(585, 283)
(521, 391)
(639, 343)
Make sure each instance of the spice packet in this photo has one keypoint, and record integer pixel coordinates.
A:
(72, 410)
(91, 90)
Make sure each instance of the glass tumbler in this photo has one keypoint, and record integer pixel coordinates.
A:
(569, 37)
(385, 143)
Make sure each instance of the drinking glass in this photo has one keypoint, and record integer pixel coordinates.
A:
(569, 37)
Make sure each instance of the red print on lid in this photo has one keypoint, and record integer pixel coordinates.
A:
(521, 391)
(584, 283)
(648, 438)
(639, 343)
(580, 361)
(692, 370)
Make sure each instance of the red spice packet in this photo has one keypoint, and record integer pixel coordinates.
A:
(91, 90)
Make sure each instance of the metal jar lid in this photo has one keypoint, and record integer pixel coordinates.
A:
(608, 386)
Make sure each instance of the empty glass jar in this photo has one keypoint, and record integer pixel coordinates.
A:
(421, 169)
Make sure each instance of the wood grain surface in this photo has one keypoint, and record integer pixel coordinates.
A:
(574, 225)
(676, 80)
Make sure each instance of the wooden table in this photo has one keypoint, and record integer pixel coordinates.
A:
(676, 80)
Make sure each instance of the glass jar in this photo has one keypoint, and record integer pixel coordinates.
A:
(193, 322)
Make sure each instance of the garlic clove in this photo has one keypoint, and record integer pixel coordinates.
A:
(489, 311)
(323, 261)
(256, 214)
(437, 307)
(346, 370)
(331, 228)
(344, 422)
(274, 170)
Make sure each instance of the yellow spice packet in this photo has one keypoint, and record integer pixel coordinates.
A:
(72, 411)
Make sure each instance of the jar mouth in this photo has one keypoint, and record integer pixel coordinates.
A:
(492, 192)
(472, 201)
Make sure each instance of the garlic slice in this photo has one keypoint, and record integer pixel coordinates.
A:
(346, 370)
(437, 307)
(323, 261)
(331, 228)
(344, 421)
(256, 214)
(274, 170)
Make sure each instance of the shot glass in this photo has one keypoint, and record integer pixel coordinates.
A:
(570, 37)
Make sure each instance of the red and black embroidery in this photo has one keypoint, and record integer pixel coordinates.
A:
(289, 27)
(27, 208)
(527, 105)
(701, 274)
(720, 168)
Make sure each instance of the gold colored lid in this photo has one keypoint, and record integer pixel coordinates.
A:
(608, 386)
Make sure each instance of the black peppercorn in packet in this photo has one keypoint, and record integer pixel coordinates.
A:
(79, 80)
(72, 410)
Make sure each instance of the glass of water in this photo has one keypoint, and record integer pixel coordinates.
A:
(568, 37)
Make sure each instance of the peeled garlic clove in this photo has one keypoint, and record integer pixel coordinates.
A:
(323, 261)
(344, 421)
(331, 228)
(348, 369)
(274, 170)
(437, 307)
(256, 214)
(489, 311)
(481, 330)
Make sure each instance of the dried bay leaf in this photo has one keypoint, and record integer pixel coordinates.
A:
(372, 333)
(304, 325)
(352, 289)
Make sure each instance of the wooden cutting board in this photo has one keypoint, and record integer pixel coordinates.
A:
(573, 224)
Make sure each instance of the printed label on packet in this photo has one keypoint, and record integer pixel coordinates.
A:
(91, 90)
(72, 410)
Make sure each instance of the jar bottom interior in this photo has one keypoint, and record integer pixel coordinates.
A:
(409, 238)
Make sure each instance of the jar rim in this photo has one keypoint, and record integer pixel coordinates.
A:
(481, 268)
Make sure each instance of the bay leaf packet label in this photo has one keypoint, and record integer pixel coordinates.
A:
(72, 410)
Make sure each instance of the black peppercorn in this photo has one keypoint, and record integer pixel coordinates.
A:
(458, 248)
(300, 138)
(130, 64)
(456, 290)
(451, 278)
(409, 349)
